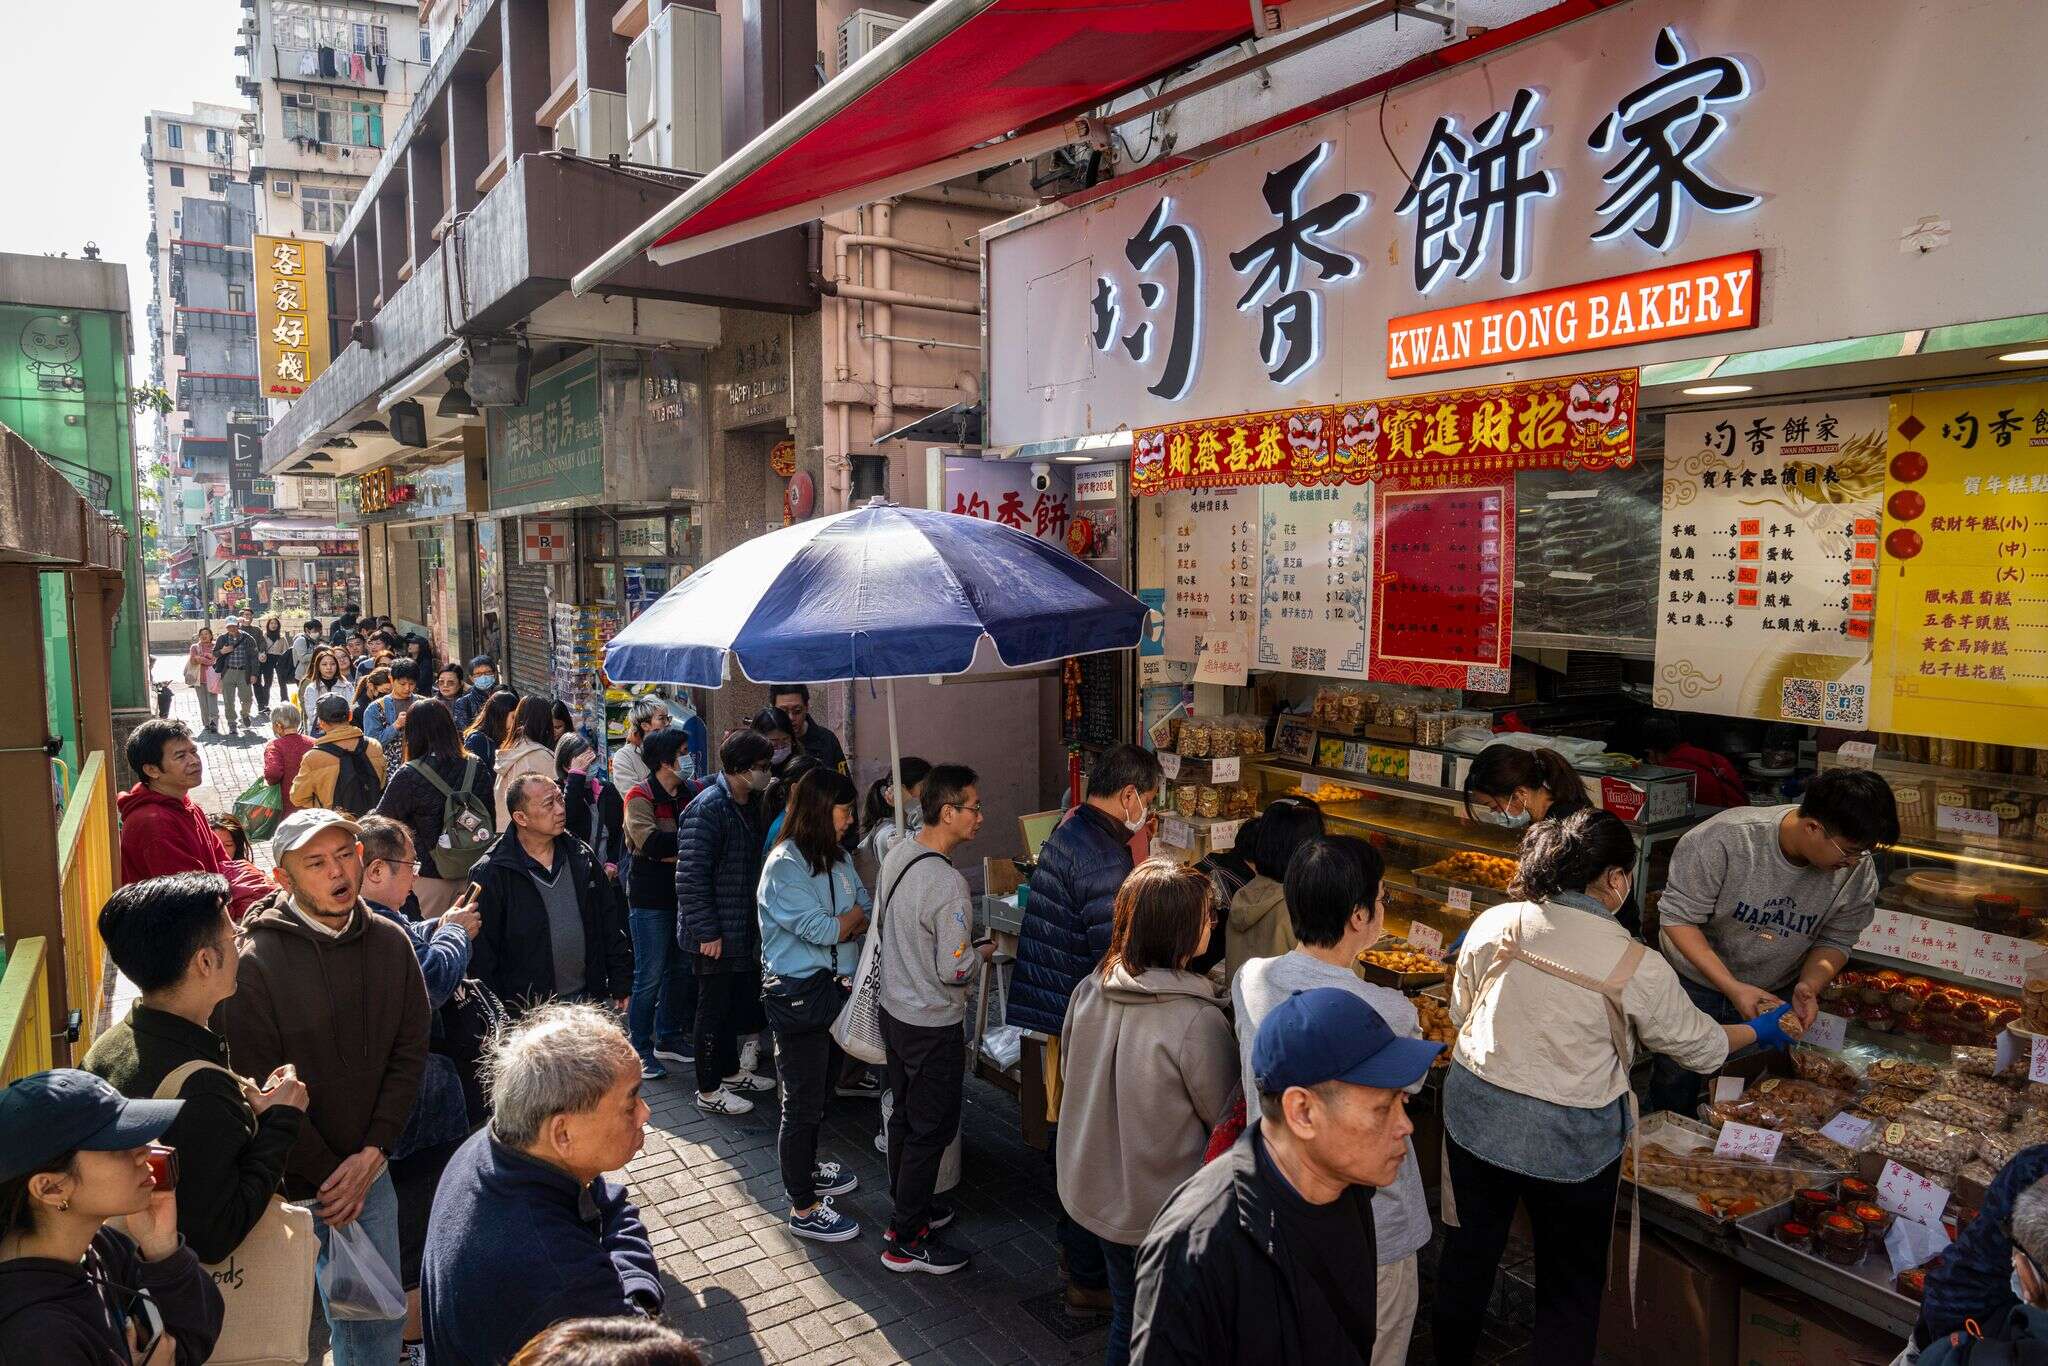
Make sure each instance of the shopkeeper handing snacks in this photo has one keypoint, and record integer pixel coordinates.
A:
(1764, 903)
(1553, 998)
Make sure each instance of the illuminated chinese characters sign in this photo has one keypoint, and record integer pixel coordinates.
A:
(291, 314)
(1000, 491)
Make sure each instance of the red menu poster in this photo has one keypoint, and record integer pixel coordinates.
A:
(1443, 586)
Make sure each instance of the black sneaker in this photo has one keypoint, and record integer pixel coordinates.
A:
(925, 1254)
(937, 1216)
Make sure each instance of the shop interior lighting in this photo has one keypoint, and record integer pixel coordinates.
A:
(2033, 355)
(1716, 390)
(1075, 459)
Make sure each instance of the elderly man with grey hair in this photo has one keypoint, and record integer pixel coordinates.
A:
(526, 1231)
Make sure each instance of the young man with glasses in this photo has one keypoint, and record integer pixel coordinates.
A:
(1764, 903)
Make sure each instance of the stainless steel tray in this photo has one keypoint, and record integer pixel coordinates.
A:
(1866, 1289)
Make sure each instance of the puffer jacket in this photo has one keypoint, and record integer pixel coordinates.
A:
(1068, 916)
(718, 870)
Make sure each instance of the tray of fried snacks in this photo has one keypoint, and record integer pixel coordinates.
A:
(1678, 1163)
(1394, 962)
(1433, 1017)
(1825, 1067)
(1989, 1092)
(1804, 1141)
(1914, 1076)
(1776, 1102)
(1983, 1062)
(1953, 1110)
(1927, 1146)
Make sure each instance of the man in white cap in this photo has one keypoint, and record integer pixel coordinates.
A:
(334, 989)
(235, 655)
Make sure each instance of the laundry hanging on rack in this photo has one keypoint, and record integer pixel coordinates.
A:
(356, 71)
(309, 63)
(327, 61)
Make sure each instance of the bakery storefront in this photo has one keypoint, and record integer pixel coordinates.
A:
(1645, 383)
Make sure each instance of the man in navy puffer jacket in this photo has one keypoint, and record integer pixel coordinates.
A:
(1067, 922)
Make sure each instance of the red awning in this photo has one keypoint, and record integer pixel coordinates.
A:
(962, 73)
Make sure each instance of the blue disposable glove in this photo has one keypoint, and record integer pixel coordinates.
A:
(1770, 1028)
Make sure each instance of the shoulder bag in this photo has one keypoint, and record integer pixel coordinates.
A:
(266, 1284)
(858, 1030)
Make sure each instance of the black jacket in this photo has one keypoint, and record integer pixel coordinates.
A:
(596, 810)
(417, 804)
(1216, 1281)
(230, 1162)
(59, 1314)
(513, 954)
(1068, 919)
(718, 876)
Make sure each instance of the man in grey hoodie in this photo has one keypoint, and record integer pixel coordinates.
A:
(925, 917)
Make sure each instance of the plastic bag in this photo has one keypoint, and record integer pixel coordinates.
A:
(356, 1282)
(258, 808)
(1003, 1045)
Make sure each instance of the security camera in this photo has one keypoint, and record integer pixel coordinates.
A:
(1041, 476)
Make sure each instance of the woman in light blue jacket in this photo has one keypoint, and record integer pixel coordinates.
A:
(813, 908)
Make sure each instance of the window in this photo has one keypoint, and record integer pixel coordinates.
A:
(238, 298)
(426, 46)
(323, 210)
(213, 139)
(281, 188)
(174, 134)
(178, 177)
(216, 184)
(357, 123)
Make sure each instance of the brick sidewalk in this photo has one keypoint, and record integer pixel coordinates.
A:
(710, 1192)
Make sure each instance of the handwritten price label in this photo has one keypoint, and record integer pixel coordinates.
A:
(1223, 770)
(1458, 899)
(1426, 939)
(1223, 835)
(1847, 1130)
(2037, 1062)
(1169, 764)
(1748, 1141)
(1910, 1195)
(1856, 754)
(1827, 1031)
(1426, 767)
(1175, 832)
(1966, 820)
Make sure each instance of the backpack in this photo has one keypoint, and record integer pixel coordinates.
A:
(356, 788)
(466, 822)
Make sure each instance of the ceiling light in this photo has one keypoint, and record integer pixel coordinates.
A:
(455, 403)
(2032, 354)
(1075, 459)
(1715, 390)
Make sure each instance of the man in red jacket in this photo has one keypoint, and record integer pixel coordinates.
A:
(163, 830)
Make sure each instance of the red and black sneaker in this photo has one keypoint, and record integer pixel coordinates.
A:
(922, 1253)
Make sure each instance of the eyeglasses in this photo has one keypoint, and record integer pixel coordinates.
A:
(972, 810)
(1854, 855)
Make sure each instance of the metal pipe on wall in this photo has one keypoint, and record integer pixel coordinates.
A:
(885, 319)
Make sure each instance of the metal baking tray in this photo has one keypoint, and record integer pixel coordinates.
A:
(1400, 981)
(1869, 1285)
(1482, 897)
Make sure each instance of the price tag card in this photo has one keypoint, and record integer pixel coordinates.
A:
(1966, 820)
(1458, 899)
(2008, 1050)
(1169, 764)
(1910, 1195)
(2037, 1064)
(1748, 1141)
(1727, 1089)
(1847, 1130)
(1175, 831)
(1856, 754)
(1426, 767)
(1223, 835)
(1826, 1031)
(1426, 939)
(1224, 770)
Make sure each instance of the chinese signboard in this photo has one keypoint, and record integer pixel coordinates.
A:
(1767, 589)
(1443, 571)
(552, 447)
(291, 313)
(1000, 491)
(1459, 437)
(380, 490)
(1676, 154)
(1315, 579)
(1628, 310)
(1964, 569)
(248, 489)
(1212, 563)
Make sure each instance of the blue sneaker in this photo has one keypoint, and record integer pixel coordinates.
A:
(824, 1225)
(650, 1070)
(832, 1178)
(676, 1052)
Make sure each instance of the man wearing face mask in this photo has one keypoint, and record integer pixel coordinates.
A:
(2017, 1333)
(1068, 918)
(483, 681)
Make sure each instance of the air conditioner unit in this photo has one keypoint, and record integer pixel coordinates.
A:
(673, 114)
(281, 188)
(594, 126)
(862, 32)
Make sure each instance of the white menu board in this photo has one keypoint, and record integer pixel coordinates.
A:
(1768, 582)
(1315, 579)
(1212, 567)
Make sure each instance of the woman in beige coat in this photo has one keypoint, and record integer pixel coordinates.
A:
(1148, 1065)
(528, 746)
(1259, 927)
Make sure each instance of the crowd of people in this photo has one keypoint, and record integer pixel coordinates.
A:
(479, 941)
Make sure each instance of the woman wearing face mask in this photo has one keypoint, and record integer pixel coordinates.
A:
(75, 1291)
(878, 818)
(773, 722)
(1552, 997)
(1515, 787)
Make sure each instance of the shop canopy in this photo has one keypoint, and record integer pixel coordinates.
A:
(930, 104)
(299, 529)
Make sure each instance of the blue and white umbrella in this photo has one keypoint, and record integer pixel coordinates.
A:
(881, 592)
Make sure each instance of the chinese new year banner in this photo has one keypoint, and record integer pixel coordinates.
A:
(291, 313)
(1766, 587)
(1443, 573)
(1443, 440)
(1962, 648)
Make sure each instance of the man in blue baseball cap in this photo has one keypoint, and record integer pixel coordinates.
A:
(1267, 1254)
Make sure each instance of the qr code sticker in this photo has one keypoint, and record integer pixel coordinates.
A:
(1308, 658)
(1845, 704)
(1799, 699)
(1487, 678)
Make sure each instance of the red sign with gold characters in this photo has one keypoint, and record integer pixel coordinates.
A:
(1442, 440)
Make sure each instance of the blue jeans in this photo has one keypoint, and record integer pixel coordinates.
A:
(366, 1342)
(663, 1009)
(1122, 1264)
(1671, 1086)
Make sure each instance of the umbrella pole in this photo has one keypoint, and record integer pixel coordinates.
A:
(895, 760)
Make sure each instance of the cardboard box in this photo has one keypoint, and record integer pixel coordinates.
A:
(1687, 1300)
(1781, 1327)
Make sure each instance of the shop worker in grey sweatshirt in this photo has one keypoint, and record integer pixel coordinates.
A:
(927, 959)
(1763, 904)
